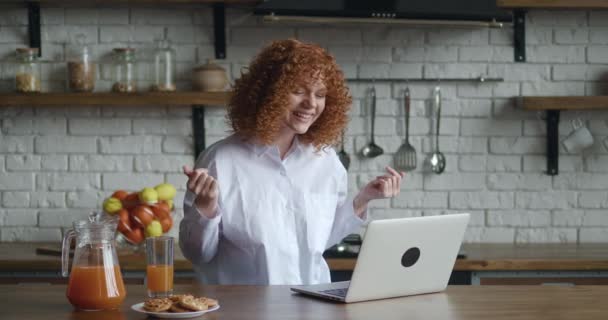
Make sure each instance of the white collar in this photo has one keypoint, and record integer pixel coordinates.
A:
(259, 149)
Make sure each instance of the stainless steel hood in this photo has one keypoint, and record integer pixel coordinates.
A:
(483, 12)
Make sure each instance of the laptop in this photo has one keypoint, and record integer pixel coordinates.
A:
(400, 257)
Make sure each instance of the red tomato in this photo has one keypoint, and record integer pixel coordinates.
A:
(142, 215)
(166, 224)
(161, 211)
(131, 201)
(136, 236)
(124, 224)
(120, 194)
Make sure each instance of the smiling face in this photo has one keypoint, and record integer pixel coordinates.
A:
(306, 102)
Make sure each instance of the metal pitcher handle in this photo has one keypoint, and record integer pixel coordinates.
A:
(65, 251)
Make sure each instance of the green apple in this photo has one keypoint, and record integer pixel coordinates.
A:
(166, 191)
(148, 196)
(154, 229)
(112, 205)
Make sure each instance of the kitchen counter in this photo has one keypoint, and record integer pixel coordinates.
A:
(483, 264)
(24, 257)
(478, 257)
(36, 301)
(507, 264)
(509, 257)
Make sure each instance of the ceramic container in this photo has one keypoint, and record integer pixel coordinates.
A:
(210, 77)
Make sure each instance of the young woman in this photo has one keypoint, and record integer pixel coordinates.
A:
(263, 204)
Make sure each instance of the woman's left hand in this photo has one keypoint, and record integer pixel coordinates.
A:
(385, 186)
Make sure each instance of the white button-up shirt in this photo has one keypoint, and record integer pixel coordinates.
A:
(275, 216)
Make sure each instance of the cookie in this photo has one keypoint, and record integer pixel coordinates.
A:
(176, 308)
(209, 302)
(158, 304)
(192, 303)
(175, 298)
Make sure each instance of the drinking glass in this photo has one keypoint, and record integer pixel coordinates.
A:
(159, 268)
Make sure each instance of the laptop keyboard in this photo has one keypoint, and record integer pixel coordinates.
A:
(336, 292)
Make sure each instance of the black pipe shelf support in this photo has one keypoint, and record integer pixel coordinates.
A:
(219, 30)
(519, 35)
(552, 120)
(198, 111)
(198, 129)
(33, 26)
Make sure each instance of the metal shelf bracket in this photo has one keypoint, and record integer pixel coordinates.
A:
(219, 30)
(198, 129)
(33, 25)
(519, 35)
(552, 141)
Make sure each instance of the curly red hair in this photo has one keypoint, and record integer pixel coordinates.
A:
(259, 99)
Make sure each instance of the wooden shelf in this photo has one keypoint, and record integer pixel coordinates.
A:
(552, 107)
(115, 99)
(553, 4)
(564, 103)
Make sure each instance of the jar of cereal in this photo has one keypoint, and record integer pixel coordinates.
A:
(82, 70)
(27, 70)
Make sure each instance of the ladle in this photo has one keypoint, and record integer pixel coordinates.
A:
(372, 150)
(342, 155)
(437, 158)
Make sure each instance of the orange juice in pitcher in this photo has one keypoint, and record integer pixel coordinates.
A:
(90, 289)
(95, 281)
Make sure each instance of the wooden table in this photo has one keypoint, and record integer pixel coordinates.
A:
(35, 301)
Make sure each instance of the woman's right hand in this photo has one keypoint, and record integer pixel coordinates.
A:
(205, 189)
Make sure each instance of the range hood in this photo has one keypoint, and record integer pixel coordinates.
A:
(483, 12)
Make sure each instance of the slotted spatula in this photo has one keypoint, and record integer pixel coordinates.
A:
(405, 158)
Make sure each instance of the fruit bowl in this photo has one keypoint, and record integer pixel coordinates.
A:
(147, 213)
(133, 245)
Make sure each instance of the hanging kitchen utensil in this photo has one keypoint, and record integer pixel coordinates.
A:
(405, 158)
(372, 150)
(342, 155)
(437, 158)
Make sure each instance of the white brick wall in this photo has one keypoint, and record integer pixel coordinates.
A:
(57, 164)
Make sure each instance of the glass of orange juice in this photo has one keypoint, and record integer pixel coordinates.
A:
(159, 268)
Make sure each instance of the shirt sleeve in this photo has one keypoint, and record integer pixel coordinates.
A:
(198, 235)
(345, 220)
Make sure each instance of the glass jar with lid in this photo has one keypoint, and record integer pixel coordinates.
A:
(27, 70)
(164, 67)
(124, 65)
(82, 70)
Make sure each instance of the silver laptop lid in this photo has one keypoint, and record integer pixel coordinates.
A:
(407, 256)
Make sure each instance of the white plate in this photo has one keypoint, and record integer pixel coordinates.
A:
(139, 307)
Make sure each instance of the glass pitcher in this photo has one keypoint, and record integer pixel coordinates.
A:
(95, 281)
